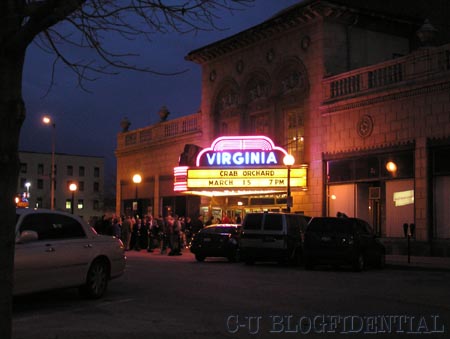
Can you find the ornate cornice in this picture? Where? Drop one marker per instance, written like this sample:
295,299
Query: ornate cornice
292,17
384,148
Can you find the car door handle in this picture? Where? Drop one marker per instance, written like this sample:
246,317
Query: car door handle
88,246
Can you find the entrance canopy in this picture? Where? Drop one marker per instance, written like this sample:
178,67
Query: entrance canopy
240,165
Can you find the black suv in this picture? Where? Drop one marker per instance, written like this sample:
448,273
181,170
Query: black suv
272,237
335,241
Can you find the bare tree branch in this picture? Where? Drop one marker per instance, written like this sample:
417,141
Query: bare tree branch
91,24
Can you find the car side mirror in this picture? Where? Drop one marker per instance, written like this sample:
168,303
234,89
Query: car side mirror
27,236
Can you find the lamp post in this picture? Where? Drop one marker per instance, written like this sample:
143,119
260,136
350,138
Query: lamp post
72,187
27,185
48,121
288,160
137,179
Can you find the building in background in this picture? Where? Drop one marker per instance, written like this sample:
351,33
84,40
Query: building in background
357,91
152,152
87,172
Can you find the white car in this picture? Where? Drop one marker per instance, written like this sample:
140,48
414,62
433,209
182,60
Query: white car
58,250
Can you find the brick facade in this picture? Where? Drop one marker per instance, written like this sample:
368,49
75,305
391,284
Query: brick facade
358,89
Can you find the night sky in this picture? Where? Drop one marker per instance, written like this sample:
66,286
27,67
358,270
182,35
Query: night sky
88,123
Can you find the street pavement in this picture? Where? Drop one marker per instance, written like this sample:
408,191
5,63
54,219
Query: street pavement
175,297
418,262
392,260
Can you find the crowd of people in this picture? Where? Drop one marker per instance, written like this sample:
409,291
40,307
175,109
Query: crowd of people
167,235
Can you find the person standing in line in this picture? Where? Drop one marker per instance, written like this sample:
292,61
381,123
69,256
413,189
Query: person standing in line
165,234
196,225
152,225
116,231
136,235
210,221
182,232
225,218
238,219
126,232
188,231
175,228
143,239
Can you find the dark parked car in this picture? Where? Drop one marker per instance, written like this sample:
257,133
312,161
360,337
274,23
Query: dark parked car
337,241
272,236
218,240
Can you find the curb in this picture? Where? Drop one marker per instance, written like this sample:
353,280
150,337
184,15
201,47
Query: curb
416,267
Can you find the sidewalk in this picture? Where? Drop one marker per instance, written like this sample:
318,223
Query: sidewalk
430,263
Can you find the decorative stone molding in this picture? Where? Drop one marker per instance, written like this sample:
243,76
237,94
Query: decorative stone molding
240,66
212,75
305,42
365,126
270,55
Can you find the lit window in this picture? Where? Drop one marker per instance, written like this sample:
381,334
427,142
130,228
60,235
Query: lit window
68,204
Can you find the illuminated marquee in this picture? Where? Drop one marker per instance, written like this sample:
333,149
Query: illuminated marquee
241,151
240,163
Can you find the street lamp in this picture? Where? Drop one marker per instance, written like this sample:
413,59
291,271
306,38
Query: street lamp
72,187
391,167
48,121
137,179
288,160
27,185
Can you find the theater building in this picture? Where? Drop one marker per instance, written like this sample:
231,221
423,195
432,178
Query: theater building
357,93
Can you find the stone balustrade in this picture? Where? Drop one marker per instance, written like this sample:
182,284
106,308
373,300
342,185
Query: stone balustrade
160,131
427,62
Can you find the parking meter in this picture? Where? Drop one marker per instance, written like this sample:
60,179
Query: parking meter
405,229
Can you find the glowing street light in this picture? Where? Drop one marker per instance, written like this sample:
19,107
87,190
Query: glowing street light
391,167
288,161
72,187
48,121
27,185
137,179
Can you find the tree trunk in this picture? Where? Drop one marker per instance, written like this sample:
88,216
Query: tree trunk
12,114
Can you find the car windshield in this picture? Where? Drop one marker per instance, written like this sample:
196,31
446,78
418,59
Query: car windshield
330,225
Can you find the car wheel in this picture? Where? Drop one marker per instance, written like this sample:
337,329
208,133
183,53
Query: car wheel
199,257
359,263
96,280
